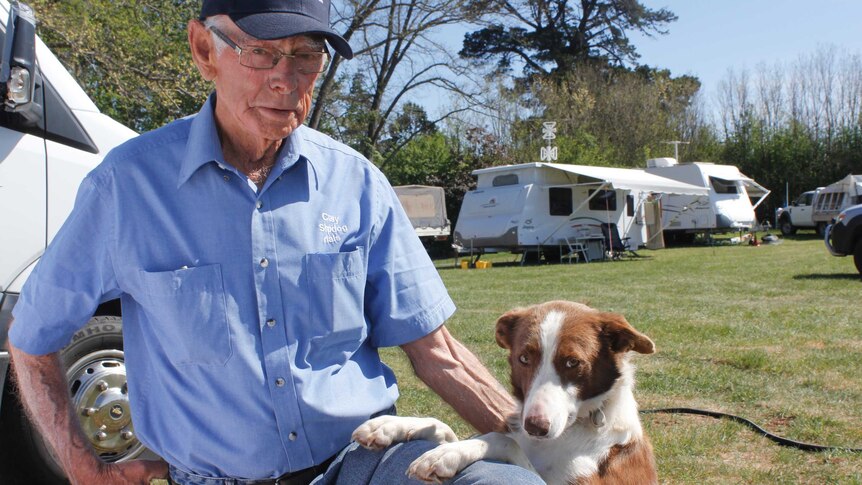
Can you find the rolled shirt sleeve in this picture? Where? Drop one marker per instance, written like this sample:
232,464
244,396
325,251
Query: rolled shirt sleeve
73,276
406,298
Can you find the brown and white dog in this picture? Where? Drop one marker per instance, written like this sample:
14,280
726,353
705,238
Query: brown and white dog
578,421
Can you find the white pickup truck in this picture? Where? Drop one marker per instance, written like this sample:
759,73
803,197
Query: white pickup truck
798,215
51,136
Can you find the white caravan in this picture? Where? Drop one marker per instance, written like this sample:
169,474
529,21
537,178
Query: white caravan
728,207
542,207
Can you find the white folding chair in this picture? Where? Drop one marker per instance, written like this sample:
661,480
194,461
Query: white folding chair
576,249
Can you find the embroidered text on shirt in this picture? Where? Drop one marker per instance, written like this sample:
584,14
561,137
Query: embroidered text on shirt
332,228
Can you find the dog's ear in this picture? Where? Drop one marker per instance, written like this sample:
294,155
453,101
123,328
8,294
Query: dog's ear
623,337
506,326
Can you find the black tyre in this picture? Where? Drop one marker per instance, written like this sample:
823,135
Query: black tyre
821,229
786,227
96,372
857,256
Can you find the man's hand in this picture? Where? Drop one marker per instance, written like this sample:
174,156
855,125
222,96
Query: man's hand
44,393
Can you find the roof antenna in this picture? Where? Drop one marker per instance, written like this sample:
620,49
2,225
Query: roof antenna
676,145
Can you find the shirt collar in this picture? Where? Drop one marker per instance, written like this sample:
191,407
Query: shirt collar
204,146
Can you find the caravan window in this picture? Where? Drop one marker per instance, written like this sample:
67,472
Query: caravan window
508,179
560,201
605,200
722,186
630,205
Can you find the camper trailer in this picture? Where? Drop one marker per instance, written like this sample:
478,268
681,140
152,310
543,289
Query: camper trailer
834,198
426,207
728,207
542,208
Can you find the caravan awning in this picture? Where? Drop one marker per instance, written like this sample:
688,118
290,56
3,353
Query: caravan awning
630,179
732,174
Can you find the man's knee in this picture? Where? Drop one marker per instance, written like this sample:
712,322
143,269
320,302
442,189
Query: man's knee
357,465
495,473
389,467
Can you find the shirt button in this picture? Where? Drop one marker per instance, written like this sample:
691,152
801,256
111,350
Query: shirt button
226,178
292,436
279,382
259,204
264,263
270,322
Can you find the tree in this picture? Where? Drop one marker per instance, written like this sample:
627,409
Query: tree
396,57
798,125
132,58
610,115
351,15
557,35
411,121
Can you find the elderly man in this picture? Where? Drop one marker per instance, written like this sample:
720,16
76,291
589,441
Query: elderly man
260,265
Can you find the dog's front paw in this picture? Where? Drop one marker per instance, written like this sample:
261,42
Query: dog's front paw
443,462
380,432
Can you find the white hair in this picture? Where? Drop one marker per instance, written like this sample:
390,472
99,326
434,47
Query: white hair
219,22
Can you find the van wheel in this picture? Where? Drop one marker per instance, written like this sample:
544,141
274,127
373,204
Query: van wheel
821,229
786,227
857,256
96,372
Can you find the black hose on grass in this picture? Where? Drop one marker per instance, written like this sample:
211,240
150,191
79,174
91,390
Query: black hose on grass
778,439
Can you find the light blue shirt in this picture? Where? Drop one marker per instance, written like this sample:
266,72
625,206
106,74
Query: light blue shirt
251,319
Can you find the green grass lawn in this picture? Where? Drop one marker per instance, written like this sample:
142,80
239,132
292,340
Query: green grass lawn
772,333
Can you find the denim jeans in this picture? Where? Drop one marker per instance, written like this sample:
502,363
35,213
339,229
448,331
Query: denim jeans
356,465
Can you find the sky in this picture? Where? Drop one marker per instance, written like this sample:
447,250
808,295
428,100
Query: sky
711,37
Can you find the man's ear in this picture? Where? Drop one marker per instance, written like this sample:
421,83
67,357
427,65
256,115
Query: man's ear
203,49
622,336
506,326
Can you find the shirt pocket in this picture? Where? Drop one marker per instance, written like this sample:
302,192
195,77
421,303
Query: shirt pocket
187,309
336,292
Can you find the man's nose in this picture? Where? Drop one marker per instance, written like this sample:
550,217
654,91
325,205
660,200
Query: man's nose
284,77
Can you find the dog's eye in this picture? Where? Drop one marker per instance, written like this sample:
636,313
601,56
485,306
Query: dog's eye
572,363
524,359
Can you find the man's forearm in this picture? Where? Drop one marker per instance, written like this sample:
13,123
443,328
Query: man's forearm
460,378
44,393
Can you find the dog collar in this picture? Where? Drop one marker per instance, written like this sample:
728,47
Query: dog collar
597,417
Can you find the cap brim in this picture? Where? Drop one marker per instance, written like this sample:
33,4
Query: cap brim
278,25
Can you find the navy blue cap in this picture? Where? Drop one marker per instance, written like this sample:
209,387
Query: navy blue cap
277,19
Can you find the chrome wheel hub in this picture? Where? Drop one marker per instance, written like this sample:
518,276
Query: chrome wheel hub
100,396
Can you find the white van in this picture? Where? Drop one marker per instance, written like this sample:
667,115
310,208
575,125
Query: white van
51,136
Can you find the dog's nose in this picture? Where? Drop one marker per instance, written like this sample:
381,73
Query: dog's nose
537,426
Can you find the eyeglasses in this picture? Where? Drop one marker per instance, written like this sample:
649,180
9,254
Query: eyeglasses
306,62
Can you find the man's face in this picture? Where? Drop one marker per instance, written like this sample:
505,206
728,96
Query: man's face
266,104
